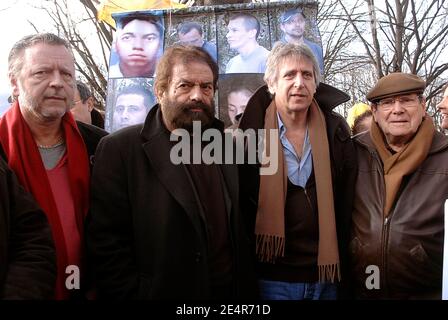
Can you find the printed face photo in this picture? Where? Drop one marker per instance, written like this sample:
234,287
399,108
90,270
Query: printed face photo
130,109
129,101
243,42
198,31
191,38
237,35
294,26
138,45
234,93
236,103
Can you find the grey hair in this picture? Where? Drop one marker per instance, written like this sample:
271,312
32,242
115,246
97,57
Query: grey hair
282,51
15,58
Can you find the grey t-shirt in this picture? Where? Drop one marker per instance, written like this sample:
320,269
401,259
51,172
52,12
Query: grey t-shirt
51,156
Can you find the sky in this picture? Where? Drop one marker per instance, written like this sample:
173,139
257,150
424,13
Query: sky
15,18
14,25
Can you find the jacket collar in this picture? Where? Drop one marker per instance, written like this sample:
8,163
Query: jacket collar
439,142
326,96
175,178
153,126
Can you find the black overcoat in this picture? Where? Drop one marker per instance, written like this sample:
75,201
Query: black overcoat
146,233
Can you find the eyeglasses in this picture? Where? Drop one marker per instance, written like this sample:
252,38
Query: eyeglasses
405,102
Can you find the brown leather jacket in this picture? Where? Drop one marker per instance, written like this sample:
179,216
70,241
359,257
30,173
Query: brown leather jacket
407,246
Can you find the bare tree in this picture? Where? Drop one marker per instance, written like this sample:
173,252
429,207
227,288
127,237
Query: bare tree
407,35
344,67
214,2
364,41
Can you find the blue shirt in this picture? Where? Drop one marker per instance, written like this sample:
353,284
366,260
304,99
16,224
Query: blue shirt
299,169
211,49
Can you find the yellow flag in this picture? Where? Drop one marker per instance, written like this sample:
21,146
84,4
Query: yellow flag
107,7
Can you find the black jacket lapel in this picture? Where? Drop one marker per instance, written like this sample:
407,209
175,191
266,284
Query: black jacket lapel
230,185
174,178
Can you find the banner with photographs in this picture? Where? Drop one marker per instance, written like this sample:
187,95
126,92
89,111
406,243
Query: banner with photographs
238,37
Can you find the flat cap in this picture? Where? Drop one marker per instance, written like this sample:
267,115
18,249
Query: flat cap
395,84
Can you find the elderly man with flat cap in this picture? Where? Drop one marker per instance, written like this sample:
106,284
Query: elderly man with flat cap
398,226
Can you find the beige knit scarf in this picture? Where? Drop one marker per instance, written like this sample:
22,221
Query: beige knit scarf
270,221
402,163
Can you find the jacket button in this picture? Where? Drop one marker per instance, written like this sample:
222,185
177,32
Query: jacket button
198,256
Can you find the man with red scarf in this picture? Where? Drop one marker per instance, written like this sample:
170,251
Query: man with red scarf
47,149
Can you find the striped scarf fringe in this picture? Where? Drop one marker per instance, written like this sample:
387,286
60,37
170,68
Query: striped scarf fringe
327,272
269,247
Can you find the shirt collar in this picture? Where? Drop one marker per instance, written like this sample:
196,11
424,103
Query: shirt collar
281,126
282,129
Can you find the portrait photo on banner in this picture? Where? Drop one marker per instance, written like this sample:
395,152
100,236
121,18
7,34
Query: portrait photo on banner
243,41
137,45
128,102
235,90
296,24
197,30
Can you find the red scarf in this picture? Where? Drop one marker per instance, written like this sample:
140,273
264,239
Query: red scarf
24,158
